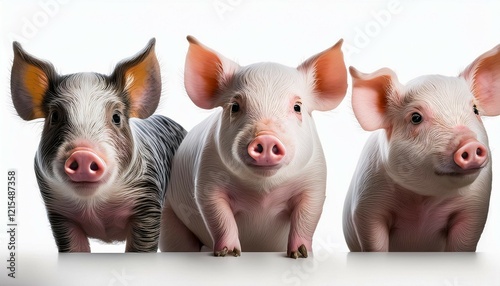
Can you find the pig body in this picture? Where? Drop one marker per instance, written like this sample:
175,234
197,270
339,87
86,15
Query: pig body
423,181
102,173
261,207
252,176
382,215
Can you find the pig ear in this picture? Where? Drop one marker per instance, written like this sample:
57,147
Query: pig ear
484,76
29,82
369,96
205,73
140,78
330,77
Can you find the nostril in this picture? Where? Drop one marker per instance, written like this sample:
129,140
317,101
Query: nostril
259,148
465,155
276,150
479,152
74,165
94,166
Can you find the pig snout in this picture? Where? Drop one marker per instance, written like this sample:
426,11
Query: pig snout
266,150
471,155
84,166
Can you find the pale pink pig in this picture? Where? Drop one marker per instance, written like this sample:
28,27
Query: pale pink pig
251,176
424,178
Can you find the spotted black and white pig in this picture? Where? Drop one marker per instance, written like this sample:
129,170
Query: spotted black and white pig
423,181
252,176
103,161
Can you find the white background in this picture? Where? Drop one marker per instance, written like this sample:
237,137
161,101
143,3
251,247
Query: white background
411,37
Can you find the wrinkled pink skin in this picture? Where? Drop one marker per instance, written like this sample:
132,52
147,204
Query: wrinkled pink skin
425,185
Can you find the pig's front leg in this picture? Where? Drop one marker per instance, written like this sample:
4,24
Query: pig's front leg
69,236
372,231
144,227
219,217
306,210
464,231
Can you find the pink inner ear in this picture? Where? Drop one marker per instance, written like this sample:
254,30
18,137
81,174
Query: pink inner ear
202,75
487,87
484,76
330,77
369,97
369,108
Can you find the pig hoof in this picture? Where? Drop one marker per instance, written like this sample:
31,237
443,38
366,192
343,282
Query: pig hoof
221,253
302,252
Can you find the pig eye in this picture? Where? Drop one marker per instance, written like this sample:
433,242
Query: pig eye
235,107
54,117
117,119
416,118
297,108
475,109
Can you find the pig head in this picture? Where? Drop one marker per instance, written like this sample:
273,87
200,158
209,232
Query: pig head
423,181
